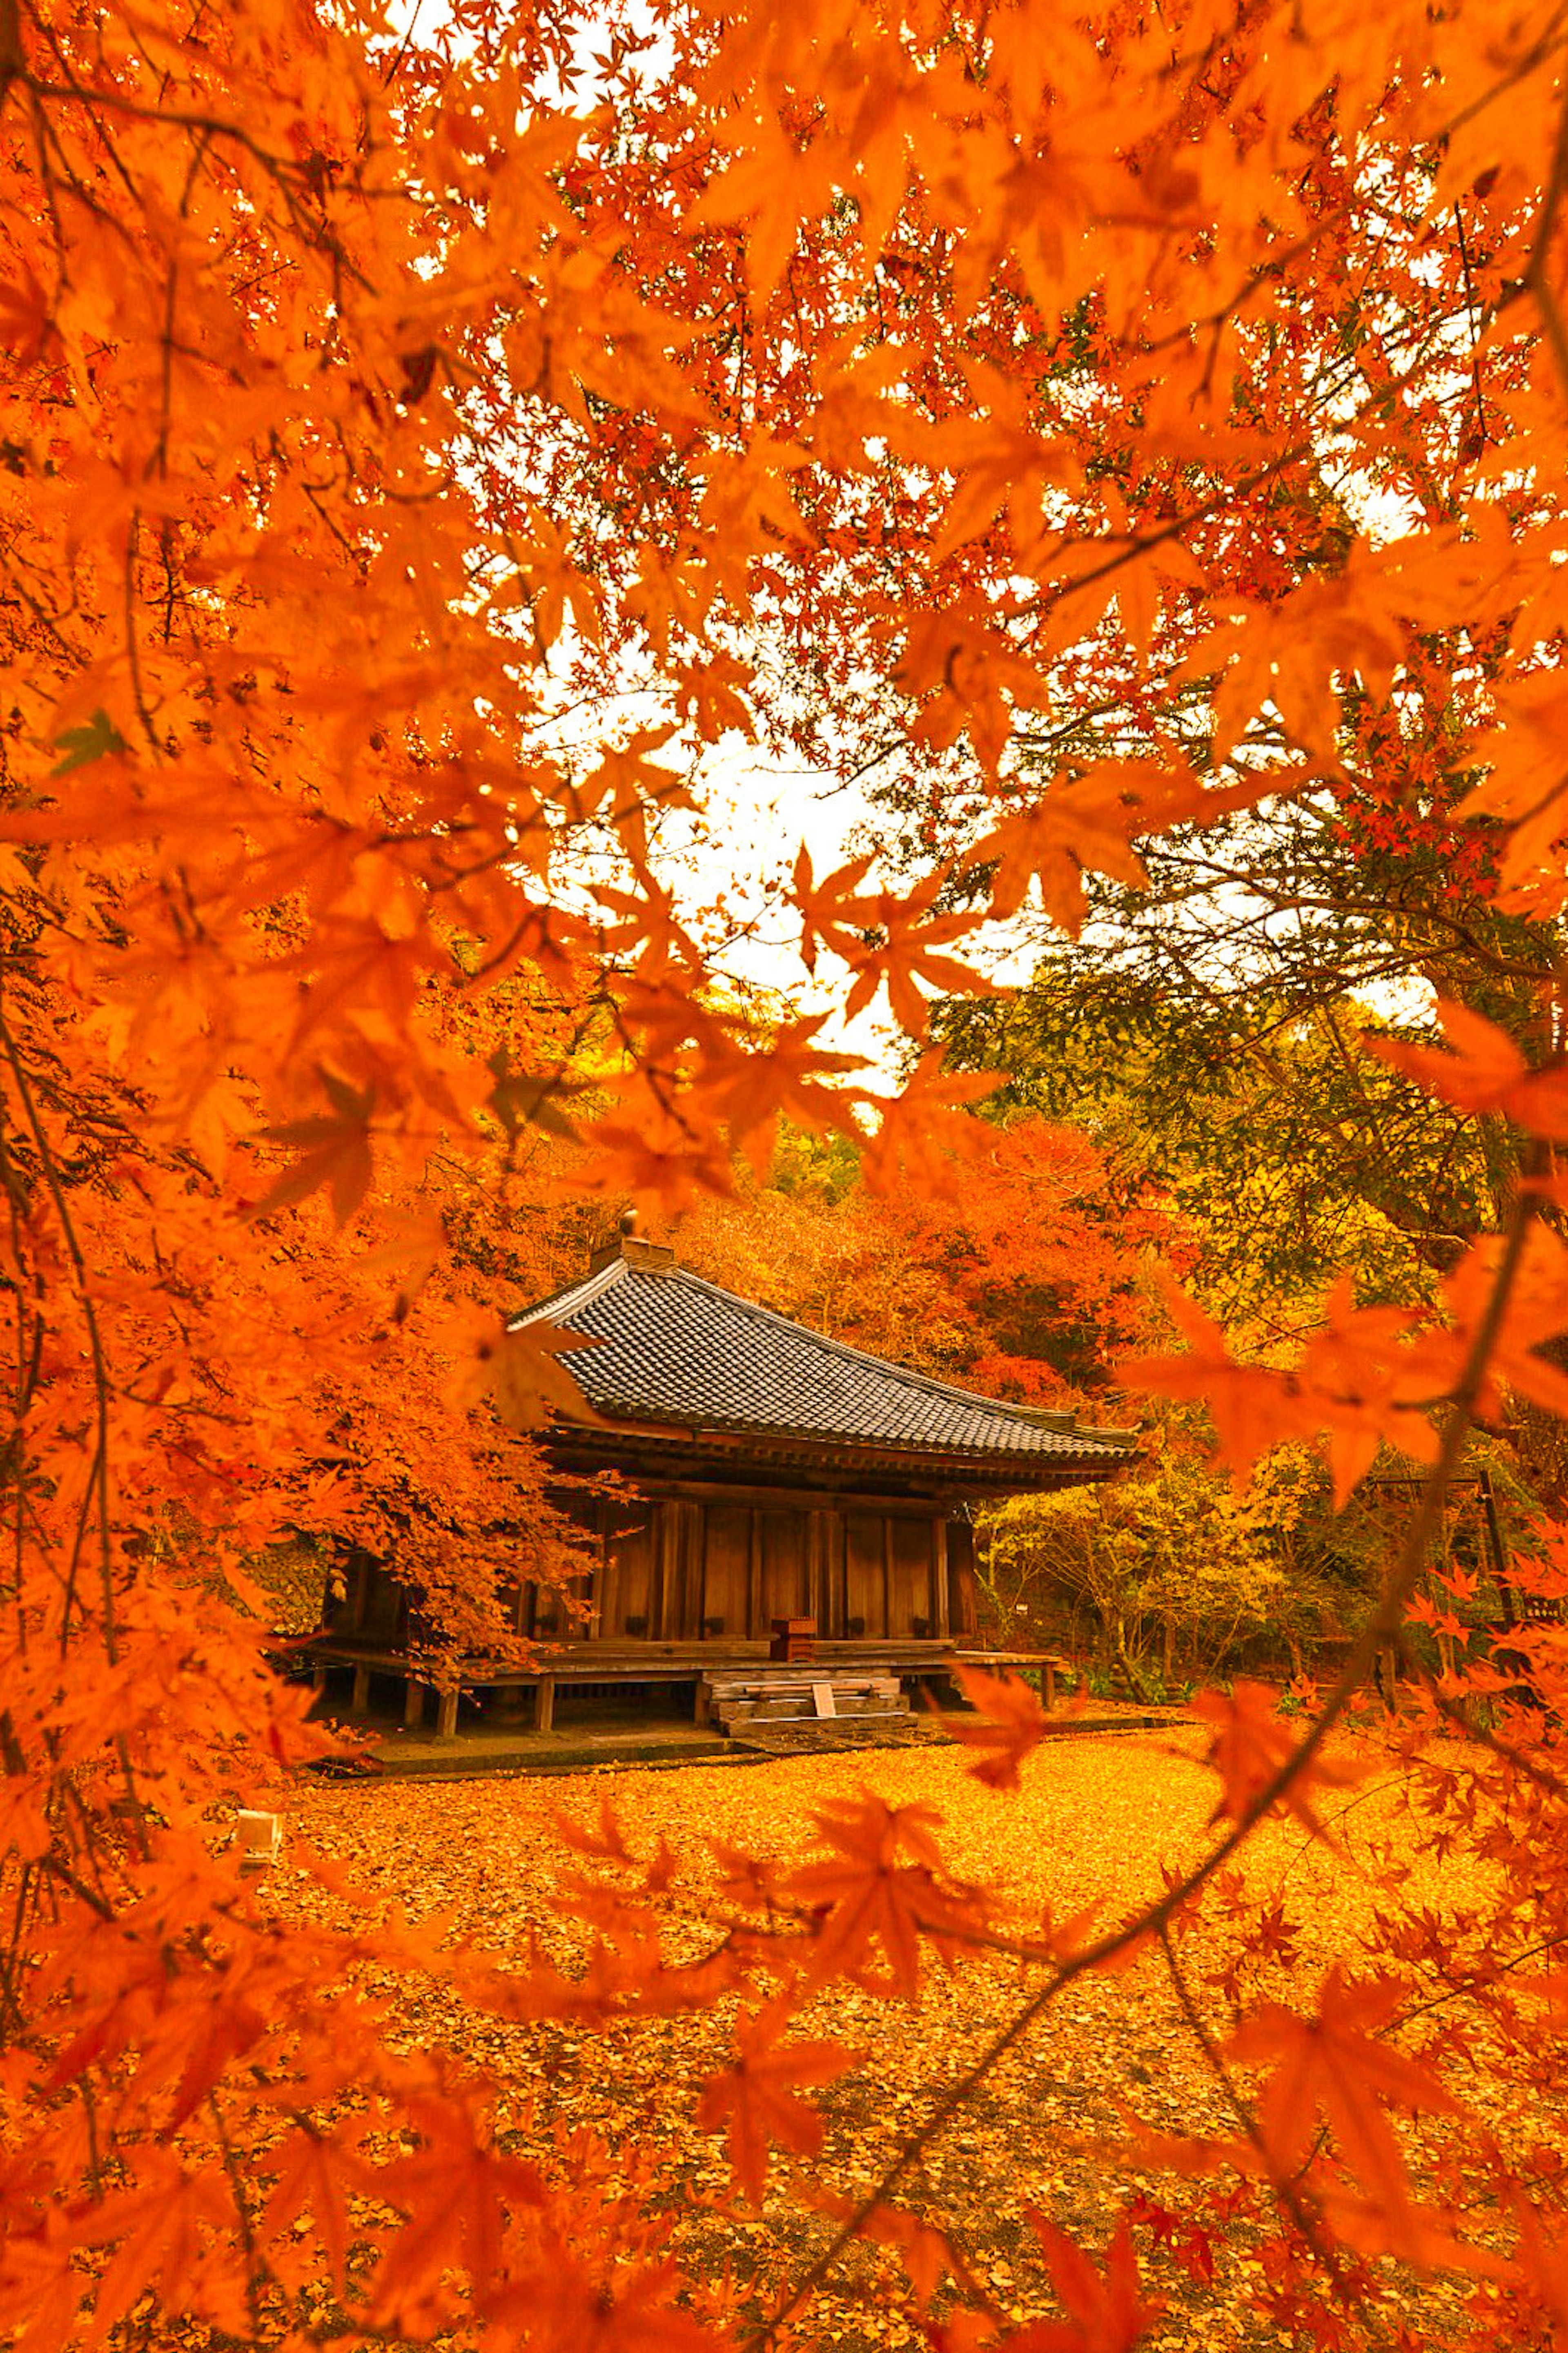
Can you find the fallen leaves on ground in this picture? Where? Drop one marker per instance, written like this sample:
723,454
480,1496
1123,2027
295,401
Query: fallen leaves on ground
1097,1826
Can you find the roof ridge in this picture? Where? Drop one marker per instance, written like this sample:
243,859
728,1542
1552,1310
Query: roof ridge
588,1287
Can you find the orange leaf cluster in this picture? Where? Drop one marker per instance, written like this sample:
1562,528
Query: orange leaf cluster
422,443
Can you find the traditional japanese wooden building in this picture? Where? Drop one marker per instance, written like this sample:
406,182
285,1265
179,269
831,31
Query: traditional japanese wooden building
776,1478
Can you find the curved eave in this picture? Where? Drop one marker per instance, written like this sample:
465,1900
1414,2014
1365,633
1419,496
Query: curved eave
981,1472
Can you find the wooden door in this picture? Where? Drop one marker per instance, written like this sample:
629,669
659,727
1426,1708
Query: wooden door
678,1570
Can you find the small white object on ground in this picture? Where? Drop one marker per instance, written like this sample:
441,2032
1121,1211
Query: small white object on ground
259,1838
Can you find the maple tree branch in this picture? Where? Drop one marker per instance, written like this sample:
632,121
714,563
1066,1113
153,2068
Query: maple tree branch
1286,2189
1140,544
98,1483
1475,328
1519,1760
1314,1838
133,647
313,232
253,2269
1537,271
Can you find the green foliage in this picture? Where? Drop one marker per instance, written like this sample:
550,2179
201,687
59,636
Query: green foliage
1174,1573
1206,1033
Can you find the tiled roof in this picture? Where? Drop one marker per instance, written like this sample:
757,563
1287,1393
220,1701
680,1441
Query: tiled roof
676,1349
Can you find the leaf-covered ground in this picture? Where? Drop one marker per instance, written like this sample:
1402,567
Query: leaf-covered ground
1097,1821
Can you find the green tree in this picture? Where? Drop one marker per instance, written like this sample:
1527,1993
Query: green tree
1209,1032
1173,1574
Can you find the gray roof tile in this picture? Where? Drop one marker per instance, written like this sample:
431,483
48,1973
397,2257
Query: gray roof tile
678,1349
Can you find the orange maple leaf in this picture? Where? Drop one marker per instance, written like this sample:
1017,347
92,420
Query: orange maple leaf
750,1093
316,2170
157,2229
928,2253
1014,1725
885,937
26,321
1251,1743
1484,1074
335,1152
922,1132
458,2194
519,1364
1367,1374
1107,2311
756,2098
1253,1408
872,1895
565,2306
1338,2063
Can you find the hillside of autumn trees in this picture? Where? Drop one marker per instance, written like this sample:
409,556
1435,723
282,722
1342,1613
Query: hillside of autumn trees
1126,444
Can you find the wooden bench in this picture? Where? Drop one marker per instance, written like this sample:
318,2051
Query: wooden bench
1049,1663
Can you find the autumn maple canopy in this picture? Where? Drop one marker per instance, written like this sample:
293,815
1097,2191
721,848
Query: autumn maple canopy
424,438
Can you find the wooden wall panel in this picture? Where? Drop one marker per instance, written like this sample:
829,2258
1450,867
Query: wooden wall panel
703,1564
911,1608
626,1598
865,1581
787,1591
376,1608
726,1563
665,1612
683,1602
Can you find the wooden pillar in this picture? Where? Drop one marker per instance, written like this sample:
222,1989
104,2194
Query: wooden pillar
318,1680
888,1575
446,1716
361,1700
835,1575
544,1703
608,1594
359,1594
939,1618
755,1626
658,1574
696,1570
413,1705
